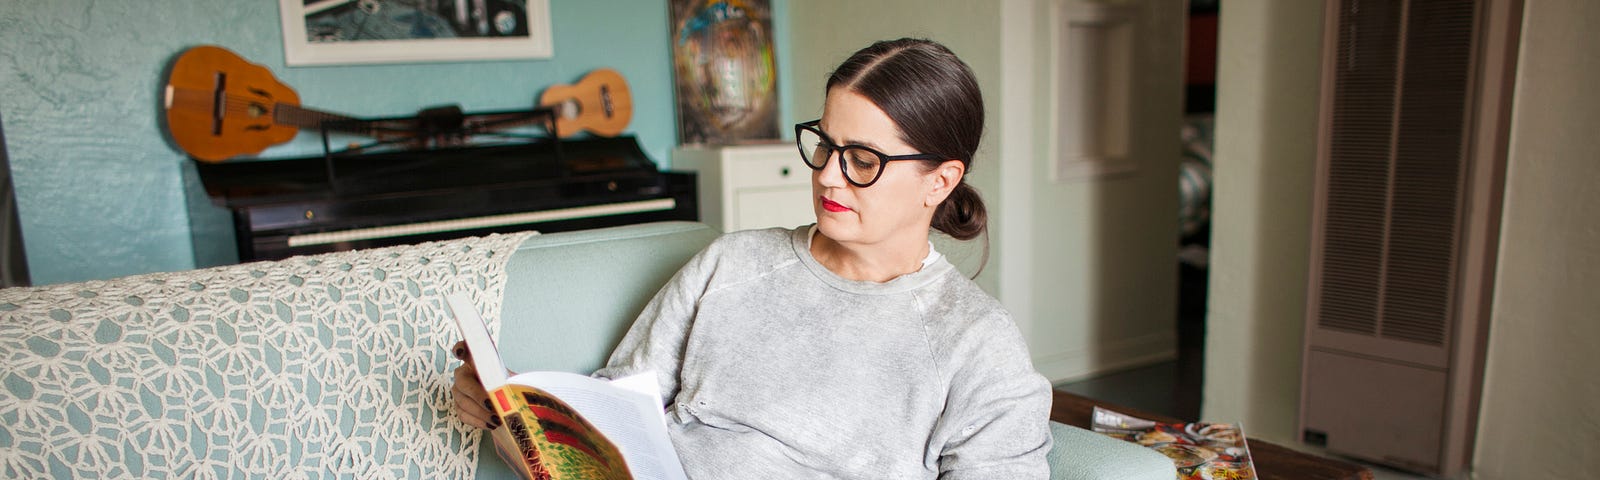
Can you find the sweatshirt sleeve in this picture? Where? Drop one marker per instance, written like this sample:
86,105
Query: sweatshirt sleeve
656,340
996,420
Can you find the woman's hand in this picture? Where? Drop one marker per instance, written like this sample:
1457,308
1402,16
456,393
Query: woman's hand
472,402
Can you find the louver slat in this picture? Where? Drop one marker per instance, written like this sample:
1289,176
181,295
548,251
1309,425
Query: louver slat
1394,174
1358,175
1423,230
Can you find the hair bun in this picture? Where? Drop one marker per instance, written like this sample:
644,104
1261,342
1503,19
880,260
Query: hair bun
962,215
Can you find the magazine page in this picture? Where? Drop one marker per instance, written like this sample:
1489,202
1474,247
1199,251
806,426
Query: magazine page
1201,451
562,425
491,371
627,411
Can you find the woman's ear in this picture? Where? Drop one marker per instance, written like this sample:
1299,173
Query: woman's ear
943,180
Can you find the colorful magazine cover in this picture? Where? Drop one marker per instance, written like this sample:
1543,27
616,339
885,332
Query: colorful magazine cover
1201,451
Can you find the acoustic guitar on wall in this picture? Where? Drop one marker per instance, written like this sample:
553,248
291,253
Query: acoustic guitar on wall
219,106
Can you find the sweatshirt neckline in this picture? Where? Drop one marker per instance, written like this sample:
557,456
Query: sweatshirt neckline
932,269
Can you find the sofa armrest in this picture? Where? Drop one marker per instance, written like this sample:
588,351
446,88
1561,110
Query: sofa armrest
1080,454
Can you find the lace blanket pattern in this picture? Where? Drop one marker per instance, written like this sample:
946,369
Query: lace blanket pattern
327,366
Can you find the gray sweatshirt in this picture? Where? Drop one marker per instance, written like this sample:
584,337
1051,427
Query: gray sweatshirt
774,368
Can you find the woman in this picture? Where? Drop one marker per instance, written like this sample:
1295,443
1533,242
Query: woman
850,348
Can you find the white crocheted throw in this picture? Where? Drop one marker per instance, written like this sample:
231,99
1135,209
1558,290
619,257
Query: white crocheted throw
328,366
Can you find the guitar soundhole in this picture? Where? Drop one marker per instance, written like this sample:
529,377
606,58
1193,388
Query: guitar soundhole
570,108
219,102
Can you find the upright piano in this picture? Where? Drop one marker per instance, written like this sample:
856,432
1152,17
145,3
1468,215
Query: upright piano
288,207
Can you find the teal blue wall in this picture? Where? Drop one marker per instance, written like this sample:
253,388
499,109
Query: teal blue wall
100,192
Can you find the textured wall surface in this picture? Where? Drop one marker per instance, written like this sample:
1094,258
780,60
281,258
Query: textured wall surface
1268,67
1539,417
1101,253
101,193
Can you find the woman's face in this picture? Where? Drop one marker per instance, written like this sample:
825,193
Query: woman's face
893,207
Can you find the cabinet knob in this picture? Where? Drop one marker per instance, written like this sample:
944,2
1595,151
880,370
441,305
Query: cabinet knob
784,171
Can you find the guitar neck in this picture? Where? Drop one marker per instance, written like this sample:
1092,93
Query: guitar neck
297,116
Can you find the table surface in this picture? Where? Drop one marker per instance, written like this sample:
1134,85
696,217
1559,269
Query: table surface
1271,461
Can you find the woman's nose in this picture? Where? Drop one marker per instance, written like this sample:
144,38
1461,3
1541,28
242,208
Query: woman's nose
832,172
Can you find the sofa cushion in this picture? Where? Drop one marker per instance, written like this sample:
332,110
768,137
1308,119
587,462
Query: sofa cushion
571,296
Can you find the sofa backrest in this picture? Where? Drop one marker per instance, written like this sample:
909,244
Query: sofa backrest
570,296
326,366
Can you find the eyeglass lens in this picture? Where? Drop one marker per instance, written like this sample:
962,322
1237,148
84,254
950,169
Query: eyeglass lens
861,165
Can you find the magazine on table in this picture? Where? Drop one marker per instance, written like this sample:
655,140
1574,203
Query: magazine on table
561,426
1201,451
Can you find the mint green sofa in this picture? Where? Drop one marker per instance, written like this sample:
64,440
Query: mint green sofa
334,366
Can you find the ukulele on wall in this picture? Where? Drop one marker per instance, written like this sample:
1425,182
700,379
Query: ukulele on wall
598,103
219,105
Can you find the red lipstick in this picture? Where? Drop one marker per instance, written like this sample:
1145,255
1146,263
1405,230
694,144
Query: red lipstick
833,206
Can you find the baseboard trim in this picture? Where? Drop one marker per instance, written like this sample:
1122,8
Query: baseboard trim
1077,364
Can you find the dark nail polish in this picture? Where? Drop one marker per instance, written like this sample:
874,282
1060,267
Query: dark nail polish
495,423
488,405
461,353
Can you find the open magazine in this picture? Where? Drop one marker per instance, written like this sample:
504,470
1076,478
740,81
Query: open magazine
560,426
1208,451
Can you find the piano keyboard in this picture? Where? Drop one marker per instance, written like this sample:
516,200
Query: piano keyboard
390,231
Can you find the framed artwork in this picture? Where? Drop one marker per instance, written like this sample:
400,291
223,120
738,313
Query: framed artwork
334,32
1092,60
724,71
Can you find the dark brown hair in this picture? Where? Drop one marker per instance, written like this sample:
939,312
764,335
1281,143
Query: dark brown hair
933,98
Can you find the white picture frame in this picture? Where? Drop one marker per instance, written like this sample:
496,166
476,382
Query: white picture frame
474,26
1092,48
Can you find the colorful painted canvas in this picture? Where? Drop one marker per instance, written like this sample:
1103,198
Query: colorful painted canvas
725,71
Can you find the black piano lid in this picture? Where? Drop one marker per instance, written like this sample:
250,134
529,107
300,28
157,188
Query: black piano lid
541,163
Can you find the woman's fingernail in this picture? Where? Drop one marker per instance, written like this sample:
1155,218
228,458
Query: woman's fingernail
488,405
496,423
461,353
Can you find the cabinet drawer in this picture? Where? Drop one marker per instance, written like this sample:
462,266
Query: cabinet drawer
772,207
768,168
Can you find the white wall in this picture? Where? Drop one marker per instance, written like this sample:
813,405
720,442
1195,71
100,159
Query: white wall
1268,71
1540,416
1096,259
1088,267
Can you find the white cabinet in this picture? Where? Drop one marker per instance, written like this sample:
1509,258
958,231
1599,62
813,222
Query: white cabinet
749,186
